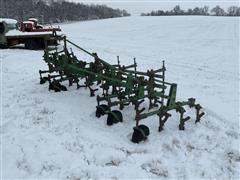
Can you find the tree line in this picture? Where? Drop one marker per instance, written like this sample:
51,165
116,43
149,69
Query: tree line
204,11
50,11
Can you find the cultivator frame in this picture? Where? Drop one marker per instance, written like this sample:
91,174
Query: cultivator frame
127,85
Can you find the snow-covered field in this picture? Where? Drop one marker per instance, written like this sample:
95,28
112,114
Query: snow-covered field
56,135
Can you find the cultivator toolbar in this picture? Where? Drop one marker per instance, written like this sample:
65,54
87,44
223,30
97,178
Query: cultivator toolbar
120,86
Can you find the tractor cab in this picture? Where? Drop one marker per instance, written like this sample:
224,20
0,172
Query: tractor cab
30,25
27,26
36,24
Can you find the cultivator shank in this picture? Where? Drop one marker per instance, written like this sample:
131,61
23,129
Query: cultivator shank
120,86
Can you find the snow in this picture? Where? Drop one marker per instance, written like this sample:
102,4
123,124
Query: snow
28,22
33,19
8,21
56,135
20,33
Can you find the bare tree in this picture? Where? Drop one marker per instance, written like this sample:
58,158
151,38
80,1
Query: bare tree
203,11
56,10
218,11
233,11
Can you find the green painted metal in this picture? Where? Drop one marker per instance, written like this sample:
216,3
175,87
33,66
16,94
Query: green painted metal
121,85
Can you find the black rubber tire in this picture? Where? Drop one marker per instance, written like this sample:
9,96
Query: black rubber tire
41,44
2,28
31,44
101,109
2,46
43,80
63,88
56,86
119,115
111,119
34,44
51,87
145,129
138,135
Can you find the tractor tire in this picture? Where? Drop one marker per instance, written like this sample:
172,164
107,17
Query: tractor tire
2,28
34,44
2,46
114,117
41,44
101,110
31,44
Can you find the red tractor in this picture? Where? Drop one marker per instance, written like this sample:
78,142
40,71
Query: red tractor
32,26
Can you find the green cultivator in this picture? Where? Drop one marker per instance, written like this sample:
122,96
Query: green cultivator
120,86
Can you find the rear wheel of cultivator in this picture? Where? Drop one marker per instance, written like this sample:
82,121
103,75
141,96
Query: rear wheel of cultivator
101,110
114,117
145,129
43,80
63,88
140,133
56,86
